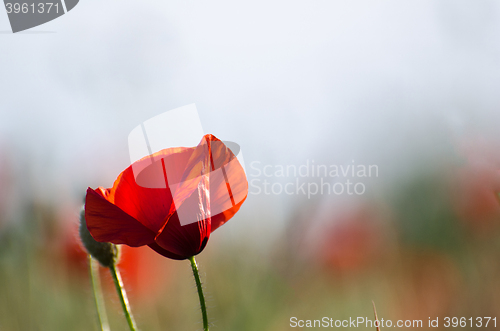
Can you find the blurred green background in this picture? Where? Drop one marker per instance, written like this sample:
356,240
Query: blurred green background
427,247
409,86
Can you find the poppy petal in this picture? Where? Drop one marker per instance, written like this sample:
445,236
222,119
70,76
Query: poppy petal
228,191
108,223
221,218
146,196
195,174
210,160
213,174
154,246
188,239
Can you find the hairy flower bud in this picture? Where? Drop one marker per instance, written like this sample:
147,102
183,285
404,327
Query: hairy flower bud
104,252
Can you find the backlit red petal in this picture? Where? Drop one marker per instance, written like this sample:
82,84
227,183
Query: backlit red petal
154,246
228,191
146,195
108,223
183,240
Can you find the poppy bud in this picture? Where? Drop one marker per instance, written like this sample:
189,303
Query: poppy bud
104,252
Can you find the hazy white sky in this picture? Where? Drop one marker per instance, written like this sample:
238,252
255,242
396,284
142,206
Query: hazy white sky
375,81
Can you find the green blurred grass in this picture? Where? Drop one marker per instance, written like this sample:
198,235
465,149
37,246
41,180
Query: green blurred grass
432,266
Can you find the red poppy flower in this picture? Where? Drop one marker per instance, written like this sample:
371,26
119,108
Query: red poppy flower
171,200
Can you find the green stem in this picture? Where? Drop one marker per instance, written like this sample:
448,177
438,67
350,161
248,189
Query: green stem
99,299
123,297
200,292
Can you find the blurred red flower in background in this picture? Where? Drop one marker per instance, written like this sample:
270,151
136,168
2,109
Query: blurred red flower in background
143,274
477,185
171,200
354,242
